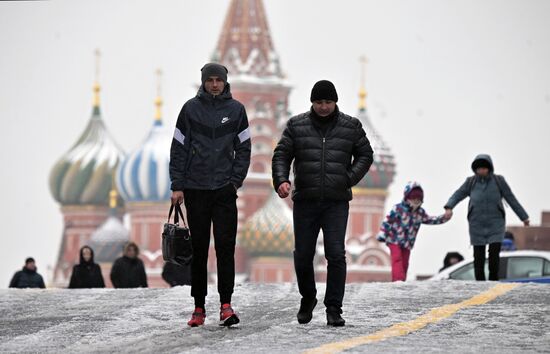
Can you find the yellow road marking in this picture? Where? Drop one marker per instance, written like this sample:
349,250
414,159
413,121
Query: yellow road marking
404,328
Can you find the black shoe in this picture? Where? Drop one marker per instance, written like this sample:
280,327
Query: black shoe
334,317
305,314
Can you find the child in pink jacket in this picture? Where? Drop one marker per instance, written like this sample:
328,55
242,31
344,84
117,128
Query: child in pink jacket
401,226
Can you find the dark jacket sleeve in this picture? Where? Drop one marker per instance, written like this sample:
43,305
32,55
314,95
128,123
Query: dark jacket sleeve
362,157
115,273
142,275
459,195
243,148
100,280
15,280
73,284
41,285
511,199
179,152
282,157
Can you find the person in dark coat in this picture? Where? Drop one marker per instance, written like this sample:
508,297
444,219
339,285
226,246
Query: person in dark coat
209,160
128,271
331,154
176,275
508,244
86,274
27,277
451,258
486,215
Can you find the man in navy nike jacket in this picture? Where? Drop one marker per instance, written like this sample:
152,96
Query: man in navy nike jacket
209,160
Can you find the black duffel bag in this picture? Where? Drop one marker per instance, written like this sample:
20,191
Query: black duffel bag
176,240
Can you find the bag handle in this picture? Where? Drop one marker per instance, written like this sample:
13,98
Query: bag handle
177,214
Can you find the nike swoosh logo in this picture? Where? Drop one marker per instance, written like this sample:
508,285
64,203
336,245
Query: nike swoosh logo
225,119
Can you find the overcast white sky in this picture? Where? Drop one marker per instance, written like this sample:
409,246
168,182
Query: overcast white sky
446,80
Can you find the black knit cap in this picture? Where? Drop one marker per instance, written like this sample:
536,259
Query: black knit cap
214,69
481,163
324,90
29,260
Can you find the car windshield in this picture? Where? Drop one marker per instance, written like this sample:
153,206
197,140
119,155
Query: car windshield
510,268
524,267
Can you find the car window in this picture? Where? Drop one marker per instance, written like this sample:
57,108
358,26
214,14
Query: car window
524,267
546,268
466,272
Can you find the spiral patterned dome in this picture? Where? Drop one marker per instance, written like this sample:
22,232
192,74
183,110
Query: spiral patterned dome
84,175
382,171
269,232
144,175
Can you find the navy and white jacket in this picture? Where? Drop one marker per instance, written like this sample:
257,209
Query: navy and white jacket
211,144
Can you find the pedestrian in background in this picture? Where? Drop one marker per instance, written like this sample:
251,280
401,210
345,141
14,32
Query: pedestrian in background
128,271
486,215
87,273
176,275
451,258
28,277
400,228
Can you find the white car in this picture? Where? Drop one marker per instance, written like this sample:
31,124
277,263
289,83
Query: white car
515,266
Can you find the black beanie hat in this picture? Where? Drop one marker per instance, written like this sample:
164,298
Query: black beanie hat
214,69
481,163
324,90
29,260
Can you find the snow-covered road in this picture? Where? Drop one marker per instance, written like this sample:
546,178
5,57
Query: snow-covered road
154,320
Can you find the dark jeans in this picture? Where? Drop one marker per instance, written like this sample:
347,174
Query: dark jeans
309,219
204,208
494,260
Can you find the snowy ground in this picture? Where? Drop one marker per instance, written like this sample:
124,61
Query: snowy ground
153,320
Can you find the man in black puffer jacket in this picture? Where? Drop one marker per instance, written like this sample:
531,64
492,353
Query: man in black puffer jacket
331,153
28,277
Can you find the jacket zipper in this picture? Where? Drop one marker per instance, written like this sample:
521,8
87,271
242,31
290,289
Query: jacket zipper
323,170
212,168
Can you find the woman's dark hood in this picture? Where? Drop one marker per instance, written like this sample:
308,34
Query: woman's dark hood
82,261
483,159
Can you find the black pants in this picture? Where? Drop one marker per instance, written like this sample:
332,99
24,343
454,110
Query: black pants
218,208
494,260
309,219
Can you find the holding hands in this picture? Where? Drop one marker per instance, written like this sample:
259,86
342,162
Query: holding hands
448,214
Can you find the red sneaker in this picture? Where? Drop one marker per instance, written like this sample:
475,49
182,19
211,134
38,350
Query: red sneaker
197,319
228,317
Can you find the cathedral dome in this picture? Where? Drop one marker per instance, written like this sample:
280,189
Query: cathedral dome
269,231
84,175
382,171
110,237
143,176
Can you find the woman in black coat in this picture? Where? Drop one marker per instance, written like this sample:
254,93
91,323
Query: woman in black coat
86,274
128,271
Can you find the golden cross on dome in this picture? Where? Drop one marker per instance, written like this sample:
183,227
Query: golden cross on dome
97,88
158,99
363,60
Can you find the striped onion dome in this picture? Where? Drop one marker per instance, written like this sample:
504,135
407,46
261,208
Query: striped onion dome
144,175
269,232
84,175
382,171
110,237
